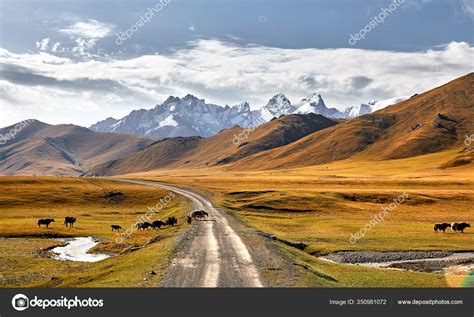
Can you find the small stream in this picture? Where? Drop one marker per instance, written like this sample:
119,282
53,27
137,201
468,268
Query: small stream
76,250
454,263
452,257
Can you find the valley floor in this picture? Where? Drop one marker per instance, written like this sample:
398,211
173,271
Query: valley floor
297,215
321,210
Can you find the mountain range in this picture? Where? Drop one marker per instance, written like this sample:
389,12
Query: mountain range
191,116
430,122
434,121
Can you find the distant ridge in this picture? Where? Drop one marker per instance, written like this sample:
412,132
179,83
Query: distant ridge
227,146
43,149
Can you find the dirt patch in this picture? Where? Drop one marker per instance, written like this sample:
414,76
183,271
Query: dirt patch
115,196
274,209
250,194
297,245
412,200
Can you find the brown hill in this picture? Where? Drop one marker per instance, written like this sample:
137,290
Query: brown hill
229,145
426,123
43,149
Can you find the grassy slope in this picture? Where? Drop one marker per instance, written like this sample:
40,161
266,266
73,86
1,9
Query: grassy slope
431,122
23,200
344,196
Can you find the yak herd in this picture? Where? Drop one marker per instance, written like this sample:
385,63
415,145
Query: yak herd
157,224
68,221
455,226
201,214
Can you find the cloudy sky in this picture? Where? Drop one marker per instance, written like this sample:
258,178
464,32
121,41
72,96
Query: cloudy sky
76,61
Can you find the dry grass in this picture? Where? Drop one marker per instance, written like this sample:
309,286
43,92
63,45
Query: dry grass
322,205
25,199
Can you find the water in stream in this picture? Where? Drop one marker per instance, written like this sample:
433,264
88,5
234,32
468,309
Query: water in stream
76,250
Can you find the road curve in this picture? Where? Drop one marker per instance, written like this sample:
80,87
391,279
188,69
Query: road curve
212,255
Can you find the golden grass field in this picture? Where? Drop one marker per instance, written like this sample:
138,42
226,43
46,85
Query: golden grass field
319,206
23,200
322,205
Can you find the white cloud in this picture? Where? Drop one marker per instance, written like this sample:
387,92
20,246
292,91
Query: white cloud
56,47
85,35
43,45
90,28
83,92
83,47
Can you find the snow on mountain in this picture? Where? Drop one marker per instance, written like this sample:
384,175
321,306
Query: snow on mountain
188,116
355,111
371,106
378,105
104,125
191,116
315,104
277,106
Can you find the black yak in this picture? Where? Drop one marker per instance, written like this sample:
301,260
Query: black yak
115,227
171,221
45,222
144,225
441,226
460,226
157,224
199,214
69,221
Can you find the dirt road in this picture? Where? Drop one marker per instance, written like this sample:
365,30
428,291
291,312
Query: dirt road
212,255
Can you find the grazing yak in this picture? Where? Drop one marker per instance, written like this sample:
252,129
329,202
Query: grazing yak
171,221
199,214
45,222
441,227
144,225
115,227
69,221
157,224
460,226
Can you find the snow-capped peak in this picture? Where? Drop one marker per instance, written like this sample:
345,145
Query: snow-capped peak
313,98
243,106
191,116
278,105
371,106
381,104
360,110
314,103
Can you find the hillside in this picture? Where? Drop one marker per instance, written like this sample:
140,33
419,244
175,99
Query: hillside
427,123
223,148
43,149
